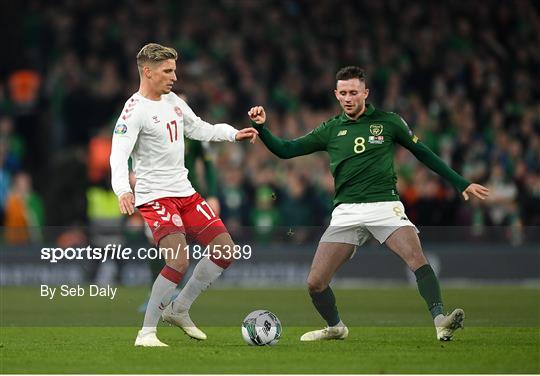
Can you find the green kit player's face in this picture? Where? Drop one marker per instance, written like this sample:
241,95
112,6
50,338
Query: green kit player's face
352,95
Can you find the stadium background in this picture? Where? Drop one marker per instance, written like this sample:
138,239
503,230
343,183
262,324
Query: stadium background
462,74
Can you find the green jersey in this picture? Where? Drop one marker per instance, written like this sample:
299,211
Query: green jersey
362,154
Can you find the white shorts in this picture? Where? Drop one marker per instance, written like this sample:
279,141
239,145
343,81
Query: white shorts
356,223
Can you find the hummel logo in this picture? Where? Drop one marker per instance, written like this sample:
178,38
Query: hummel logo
342,132
155,118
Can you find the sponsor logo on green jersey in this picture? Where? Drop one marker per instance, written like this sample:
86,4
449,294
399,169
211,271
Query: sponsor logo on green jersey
376,139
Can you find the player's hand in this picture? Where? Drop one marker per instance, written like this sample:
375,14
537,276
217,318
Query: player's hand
214,204
257,114
126,202
247,134
476,190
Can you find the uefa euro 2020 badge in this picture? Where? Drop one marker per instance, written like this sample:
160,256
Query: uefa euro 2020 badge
120,129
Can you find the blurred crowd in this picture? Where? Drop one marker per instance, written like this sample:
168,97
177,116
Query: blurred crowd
464,75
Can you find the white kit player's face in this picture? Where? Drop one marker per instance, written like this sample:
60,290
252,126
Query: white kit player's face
351,95
163,76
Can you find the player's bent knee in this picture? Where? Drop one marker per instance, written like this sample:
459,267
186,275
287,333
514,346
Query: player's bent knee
222,249
316,285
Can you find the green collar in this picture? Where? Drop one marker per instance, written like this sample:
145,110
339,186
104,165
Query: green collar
369,110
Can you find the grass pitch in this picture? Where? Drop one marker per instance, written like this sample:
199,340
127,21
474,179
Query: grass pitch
390,332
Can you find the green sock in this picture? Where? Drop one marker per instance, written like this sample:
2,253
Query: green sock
428,286
325,302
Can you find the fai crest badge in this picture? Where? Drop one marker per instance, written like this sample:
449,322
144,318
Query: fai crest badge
376,129
178,111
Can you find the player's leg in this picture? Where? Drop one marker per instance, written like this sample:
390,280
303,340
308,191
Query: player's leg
176,264
155,265
171,241
336,246
405,243
207,229
207,270
328,259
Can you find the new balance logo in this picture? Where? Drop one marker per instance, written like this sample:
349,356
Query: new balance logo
342,132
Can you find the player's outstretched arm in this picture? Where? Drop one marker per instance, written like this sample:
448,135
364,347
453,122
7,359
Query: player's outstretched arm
198,129
432,160
435,163
284,149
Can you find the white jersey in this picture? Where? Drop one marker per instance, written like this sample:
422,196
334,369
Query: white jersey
152,133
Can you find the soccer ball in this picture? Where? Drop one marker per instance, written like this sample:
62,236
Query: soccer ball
261,328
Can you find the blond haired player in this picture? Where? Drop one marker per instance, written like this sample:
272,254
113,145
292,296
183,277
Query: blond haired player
151,130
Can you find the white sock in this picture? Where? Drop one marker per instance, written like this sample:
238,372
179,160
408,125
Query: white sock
204,274
339,324
160,298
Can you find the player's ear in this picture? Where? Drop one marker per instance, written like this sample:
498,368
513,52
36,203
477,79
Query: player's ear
366,93
147,71
336,94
